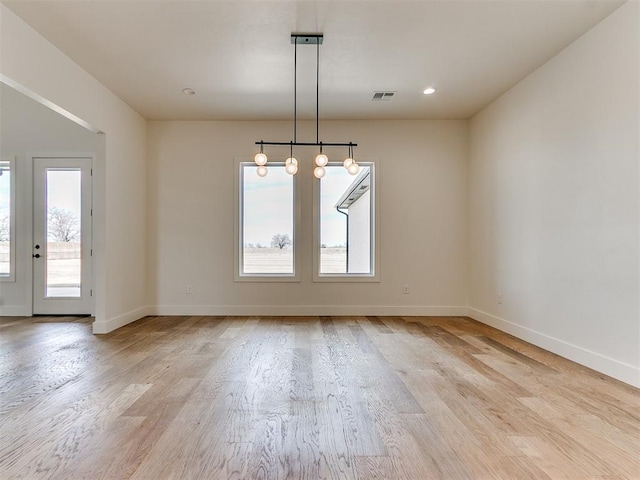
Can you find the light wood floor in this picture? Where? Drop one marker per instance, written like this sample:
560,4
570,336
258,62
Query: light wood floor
308,398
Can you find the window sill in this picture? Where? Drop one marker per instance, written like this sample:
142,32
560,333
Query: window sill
352,278
264,278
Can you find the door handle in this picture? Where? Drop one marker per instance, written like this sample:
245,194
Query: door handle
37,255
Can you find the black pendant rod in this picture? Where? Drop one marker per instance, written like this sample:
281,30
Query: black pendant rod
308,144
317,92
295,91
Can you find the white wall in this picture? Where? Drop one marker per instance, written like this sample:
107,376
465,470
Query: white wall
422,181
33,65
27,127
554,203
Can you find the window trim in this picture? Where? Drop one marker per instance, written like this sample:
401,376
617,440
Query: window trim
239,164
11,277
374,277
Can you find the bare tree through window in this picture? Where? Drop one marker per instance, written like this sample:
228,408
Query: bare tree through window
281,240
63,225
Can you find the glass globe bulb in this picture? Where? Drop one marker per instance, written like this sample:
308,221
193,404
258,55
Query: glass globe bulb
291,168
262,171
321,159
260,159
353,168
319,172
348,162
291,161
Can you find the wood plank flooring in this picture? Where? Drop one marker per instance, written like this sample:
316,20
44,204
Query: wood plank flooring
304,398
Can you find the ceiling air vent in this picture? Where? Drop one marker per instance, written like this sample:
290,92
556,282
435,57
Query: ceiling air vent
382,96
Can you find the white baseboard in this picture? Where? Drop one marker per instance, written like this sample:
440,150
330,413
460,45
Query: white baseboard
614,368
120,321
308,310
14,311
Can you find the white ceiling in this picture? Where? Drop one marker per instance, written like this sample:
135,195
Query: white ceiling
237,54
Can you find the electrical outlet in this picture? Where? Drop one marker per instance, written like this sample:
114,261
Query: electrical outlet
500,298
188,290
405,289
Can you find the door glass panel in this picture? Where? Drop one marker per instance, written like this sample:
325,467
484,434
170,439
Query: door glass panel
63,268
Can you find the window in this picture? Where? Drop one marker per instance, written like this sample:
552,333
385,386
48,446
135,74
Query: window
7,220
267,226
345,230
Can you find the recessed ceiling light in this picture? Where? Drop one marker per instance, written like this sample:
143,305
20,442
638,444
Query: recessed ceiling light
188,91
429,91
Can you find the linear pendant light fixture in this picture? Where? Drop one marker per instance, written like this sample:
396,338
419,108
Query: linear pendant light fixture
291,164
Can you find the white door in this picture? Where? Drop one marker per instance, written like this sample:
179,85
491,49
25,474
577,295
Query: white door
62,236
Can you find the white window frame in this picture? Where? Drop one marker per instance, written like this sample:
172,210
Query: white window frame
372,277
11,277
240,163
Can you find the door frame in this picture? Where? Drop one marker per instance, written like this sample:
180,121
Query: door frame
29,210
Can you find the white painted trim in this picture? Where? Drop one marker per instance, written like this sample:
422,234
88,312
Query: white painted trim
98,236
614,368
14,311
309,310
120,321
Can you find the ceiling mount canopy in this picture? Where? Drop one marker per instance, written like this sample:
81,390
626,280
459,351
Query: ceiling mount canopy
307,38
321,160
